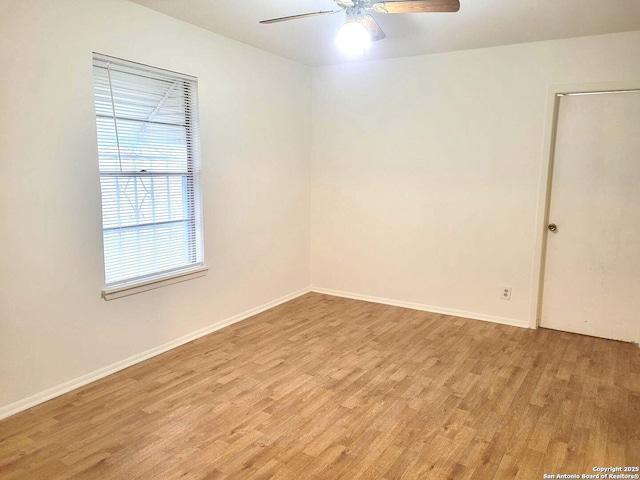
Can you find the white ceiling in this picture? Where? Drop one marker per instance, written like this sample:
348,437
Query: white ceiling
479,23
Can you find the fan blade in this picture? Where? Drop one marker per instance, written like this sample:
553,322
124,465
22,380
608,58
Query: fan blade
303,15
372,27
416,6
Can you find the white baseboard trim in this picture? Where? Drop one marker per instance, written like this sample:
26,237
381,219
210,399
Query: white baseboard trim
425,308
63,388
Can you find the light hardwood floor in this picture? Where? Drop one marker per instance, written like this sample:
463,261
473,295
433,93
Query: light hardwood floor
324,387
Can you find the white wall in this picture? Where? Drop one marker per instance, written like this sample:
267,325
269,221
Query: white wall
255,127
426,171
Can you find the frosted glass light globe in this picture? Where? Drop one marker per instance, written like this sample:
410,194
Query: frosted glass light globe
353,38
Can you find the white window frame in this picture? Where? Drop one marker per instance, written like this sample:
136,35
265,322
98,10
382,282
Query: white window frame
196,266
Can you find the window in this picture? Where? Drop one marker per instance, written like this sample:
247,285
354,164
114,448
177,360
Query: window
148,152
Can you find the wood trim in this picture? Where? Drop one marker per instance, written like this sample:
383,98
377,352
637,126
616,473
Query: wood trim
422,307
63,388
126,289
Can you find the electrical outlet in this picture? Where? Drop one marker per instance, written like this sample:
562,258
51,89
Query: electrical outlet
506,293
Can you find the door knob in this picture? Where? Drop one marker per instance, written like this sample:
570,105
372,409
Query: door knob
553,227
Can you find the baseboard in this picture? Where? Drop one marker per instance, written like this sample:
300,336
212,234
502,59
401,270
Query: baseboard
425,308
58,390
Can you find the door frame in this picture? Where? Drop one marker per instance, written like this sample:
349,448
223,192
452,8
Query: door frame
555,93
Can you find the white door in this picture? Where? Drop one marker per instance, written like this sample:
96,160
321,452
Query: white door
592,269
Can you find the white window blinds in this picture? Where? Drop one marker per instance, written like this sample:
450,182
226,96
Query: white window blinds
148,150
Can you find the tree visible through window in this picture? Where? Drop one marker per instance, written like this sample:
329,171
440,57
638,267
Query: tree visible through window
149,170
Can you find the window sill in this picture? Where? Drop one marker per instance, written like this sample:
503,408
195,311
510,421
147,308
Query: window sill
126,289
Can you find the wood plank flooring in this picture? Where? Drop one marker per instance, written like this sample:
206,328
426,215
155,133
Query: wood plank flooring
325,387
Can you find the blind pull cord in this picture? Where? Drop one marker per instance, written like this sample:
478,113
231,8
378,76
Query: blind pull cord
115,120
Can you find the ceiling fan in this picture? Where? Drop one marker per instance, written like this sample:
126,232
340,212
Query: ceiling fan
359,28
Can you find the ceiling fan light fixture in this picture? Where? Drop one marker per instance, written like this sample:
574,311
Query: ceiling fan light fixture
353,38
